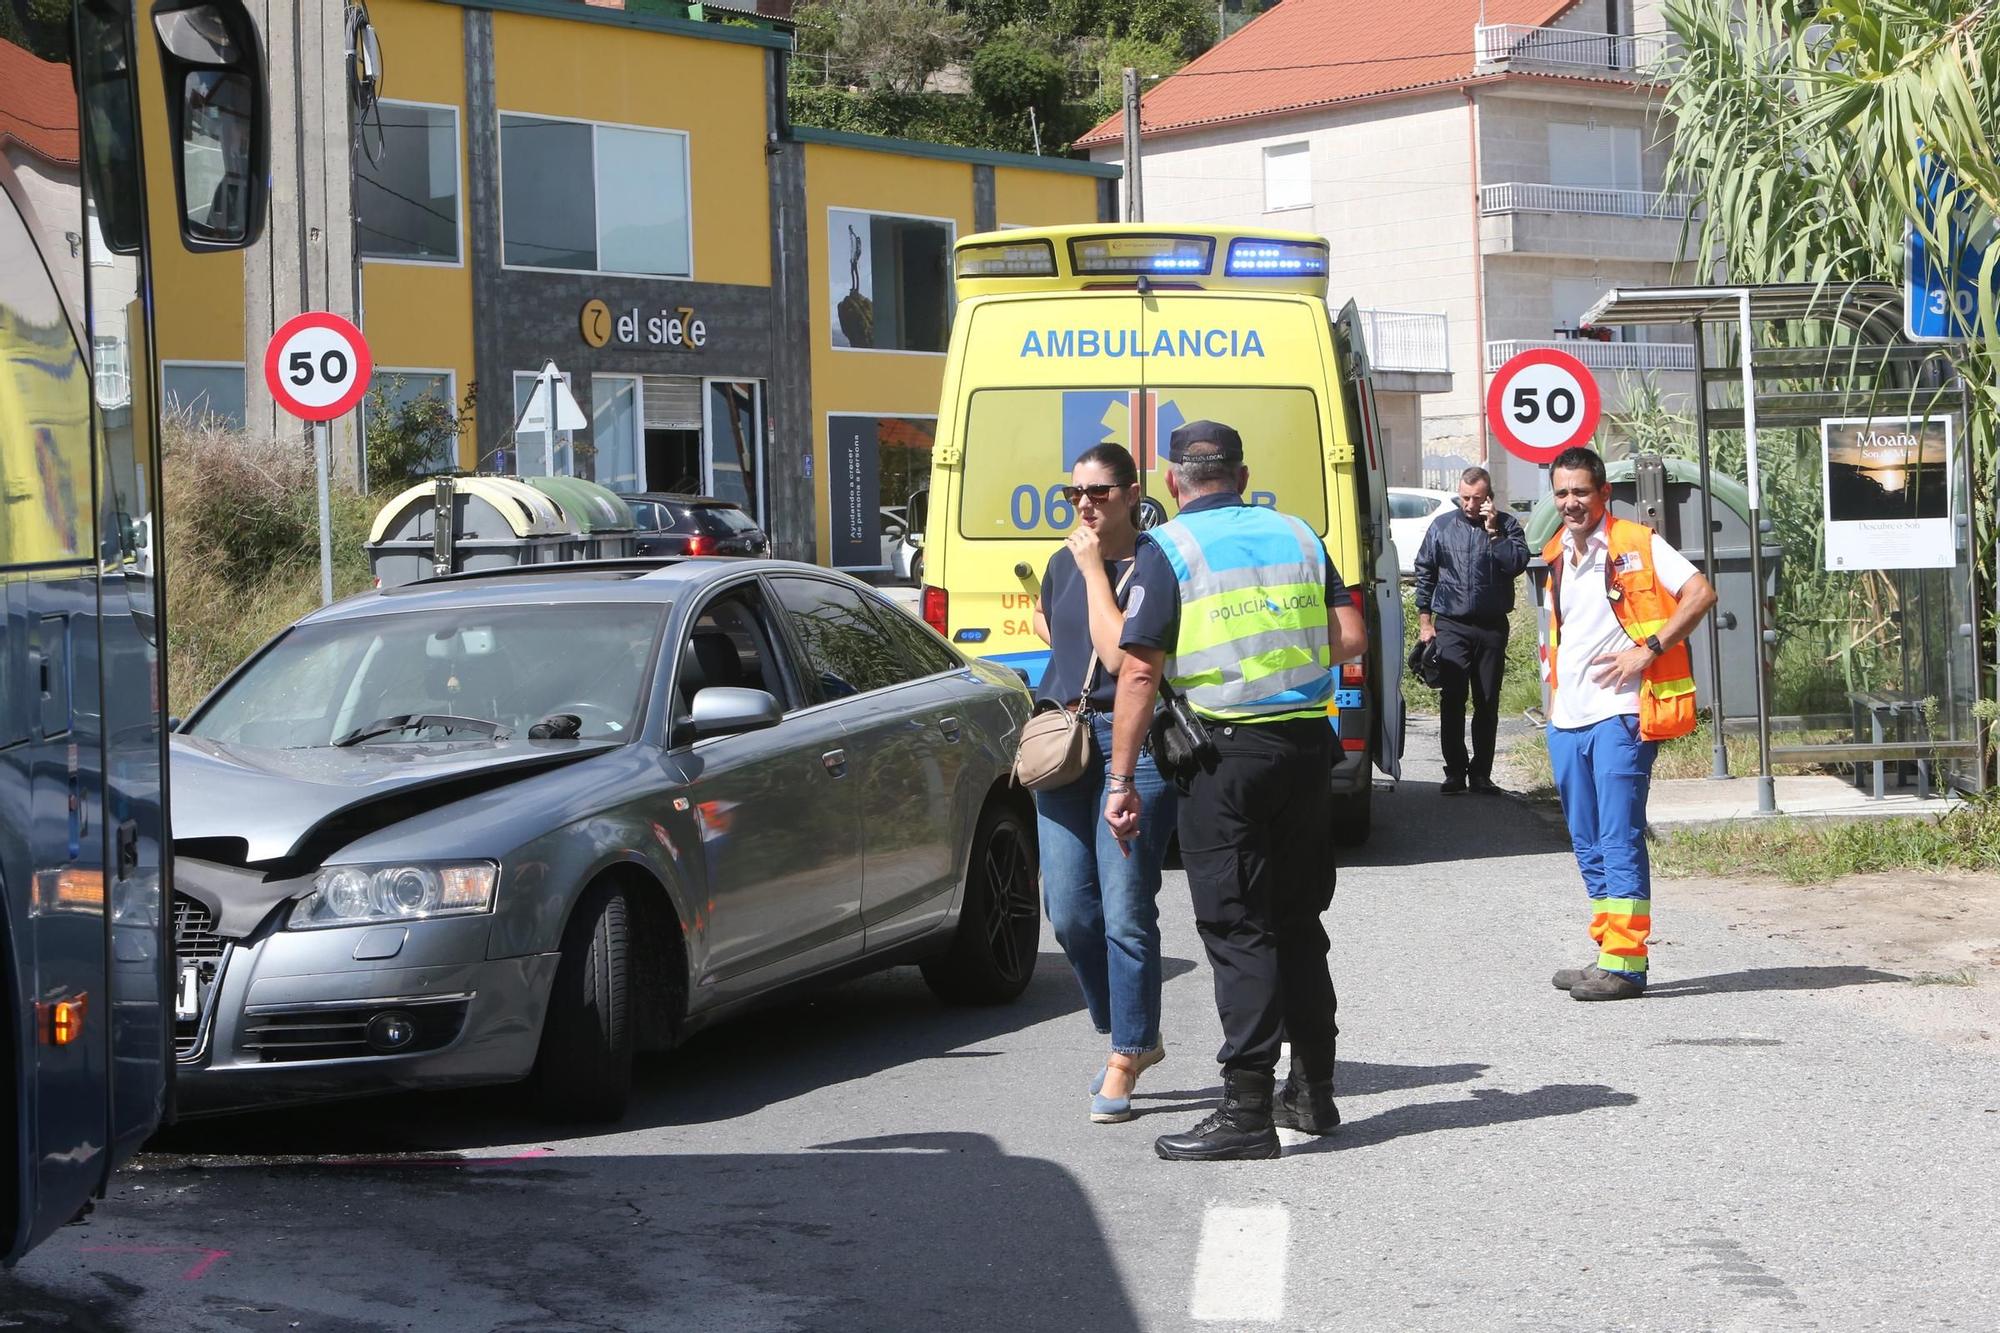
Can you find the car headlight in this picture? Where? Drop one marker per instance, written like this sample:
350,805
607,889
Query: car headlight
361,895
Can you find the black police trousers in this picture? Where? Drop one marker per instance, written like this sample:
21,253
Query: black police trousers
1254,841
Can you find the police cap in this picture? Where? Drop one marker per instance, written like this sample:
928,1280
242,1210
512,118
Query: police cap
1205,440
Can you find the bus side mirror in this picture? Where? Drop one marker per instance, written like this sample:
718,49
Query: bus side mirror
218,116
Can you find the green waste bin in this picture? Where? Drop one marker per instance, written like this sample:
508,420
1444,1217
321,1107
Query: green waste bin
604,522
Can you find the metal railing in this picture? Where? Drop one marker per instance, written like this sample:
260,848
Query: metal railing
1600,355
1521,44
1407,340
1528,197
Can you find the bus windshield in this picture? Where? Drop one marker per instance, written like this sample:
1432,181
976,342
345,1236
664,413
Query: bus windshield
1021,444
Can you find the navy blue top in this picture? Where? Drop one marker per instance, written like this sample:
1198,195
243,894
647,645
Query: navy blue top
1467,573
1153,603
1066,606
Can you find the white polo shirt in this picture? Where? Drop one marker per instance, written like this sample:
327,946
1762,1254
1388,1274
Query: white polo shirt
1590,628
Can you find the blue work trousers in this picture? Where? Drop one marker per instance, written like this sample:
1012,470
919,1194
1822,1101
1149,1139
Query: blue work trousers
1103,904
1603,773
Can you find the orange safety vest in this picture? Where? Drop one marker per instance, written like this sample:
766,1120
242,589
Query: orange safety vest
1643,607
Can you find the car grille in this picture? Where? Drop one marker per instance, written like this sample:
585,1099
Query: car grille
276,1034
196,941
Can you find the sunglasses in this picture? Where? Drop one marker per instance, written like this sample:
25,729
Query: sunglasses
1098,494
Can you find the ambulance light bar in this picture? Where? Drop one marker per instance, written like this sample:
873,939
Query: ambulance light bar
1276,259
1008,259
1142,254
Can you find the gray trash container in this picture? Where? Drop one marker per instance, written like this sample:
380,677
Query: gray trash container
604,521
1674,498
496,523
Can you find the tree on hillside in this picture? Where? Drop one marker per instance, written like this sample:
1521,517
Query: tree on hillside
887,44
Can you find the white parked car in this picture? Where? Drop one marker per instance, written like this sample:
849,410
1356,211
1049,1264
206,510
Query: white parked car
1411,513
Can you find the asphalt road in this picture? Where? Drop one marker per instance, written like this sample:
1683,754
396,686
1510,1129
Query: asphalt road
1739,1150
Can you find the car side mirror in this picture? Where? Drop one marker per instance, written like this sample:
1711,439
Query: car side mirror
724,710
218,116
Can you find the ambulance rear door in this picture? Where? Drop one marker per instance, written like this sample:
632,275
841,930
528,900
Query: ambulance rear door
1385,654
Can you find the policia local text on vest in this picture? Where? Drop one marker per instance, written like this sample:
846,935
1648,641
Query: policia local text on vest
1243,612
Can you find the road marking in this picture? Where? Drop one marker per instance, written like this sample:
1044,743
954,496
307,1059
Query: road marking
1239,1268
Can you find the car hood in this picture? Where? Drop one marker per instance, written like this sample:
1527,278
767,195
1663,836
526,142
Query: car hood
246,805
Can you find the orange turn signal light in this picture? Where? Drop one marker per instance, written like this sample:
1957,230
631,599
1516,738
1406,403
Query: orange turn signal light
62,1020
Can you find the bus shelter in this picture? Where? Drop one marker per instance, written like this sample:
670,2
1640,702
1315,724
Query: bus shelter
1849,439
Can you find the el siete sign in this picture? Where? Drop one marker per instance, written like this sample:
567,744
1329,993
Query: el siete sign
678,327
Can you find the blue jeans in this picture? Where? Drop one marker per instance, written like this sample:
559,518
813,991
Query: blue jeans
1603,773
1104,905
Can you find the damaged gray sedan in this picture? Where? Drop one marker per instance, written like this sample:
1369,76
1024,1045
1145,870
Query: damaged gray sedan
525,825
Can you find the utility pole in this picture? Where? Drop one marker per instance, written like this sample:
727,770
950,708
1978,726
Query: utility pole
1135,195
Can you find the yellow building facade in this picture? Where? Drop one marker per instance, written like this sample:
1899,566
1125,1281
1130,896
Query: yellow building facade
736,306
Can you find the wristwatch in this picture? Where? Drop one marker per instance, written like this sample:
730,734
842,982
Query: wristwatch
1653,642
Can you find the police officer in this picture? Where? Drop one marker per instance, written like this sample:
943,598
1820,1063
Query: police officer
1241,610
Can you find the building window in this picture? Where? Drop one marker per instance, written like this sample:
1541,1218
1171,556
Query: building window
594,198
615,431
415,414
1288,177
407,185
204,389
1597,157
890,281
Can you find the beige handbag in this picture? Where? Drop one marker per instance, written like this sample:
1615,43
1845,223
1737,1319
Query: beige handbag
1055,744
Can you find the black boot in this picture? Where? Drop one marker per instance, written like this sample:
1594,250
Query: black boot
1239,1131
1306,1106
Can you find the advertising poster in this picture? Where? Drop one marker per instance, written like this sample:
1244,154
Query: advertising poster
853,447
1888,492
850,270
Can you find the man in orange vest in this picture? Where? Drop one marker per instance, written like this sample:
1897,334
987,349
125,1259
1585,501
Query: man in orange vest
1622,603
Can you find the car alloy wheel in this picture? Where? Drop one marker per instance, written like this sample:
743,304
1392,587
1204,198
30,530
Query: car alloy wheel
992,954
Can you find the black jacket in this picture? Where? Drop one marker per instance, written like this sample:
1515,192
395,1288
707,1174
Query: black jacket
1464,573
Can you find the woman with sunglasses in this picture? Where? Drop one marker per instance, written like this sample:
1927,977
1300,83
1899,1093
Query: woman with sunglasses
1101,901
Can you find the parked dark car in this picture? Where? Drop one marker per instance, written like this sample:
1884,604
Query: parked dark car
523,824
694,525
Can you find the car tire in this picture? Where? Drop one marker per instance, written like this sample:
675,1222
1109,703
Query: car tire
1353,816
917,569
993,951
584,1069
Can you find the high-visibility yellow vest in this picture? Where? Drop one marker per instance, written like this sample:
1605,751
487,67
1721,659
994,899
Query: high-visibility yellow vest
1643,607
1252,644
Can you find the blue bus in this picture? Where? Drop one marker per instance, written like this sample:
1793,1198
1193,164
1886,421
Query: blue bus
90,989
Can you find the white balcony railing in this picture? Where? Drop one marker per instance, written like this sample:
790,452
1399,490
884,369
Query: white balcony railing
1559,48
1601,355
1527,197
1407,340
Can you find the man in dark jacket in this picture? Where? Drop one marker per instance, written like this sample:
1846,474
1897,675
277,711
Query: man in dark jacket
1465,590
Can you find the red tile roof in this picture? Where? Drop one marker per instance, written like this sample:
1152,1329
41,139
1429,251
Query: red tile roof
1308,53
37,105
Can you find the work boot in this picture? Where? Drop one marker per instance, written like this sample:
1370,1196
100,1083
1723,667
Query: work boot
1569,976
1239,1131
1608,986
1306,1106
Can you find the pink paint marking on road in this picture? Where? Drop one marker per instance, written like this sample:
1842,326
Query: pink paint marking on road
209,1257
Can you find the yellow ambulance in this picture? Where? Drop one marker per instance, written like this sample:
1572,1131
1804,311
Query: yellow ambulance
1068,337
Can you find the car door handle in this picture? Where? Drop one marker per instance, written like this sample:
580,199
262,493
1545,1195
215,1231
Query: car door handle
949,726
836,762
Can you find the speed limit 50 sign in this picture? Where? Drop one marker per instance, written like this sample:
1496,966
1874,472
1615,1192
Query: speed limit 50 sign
317,366
1542,402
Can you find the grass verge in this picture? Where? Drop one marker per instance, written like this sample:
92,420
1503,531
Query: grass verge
1817,852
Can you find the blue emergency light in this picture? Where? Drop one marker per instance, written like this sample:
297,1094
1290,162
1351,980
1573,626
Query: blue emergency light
1276,259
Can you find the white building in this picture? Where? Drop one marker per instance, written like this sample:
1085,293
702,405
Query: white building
1491,167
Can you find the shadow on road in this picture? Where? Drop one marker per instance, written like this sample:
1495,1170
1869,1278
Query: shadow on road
1416,826
838,1035
1769,979
1484,1108
931,1231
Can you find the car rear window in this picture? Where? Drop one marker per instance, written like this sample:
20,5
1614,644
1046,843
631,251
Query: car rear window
721,520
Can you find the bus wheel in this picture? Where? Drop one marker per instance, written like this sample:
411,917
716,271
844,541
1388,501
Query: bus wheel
1352,816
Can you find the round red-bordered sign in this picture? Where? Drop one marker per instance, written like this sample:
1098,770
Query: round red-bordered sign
1542,402
317,366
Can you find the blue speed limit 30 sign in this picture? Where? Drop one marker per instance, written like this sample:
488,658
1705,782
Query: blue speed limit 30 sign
1541,402
317,366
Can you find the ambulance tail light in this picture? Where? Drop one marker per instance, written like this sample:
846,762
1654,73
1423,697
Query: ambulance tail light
937,609
1276,259
1019,259
1352,673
